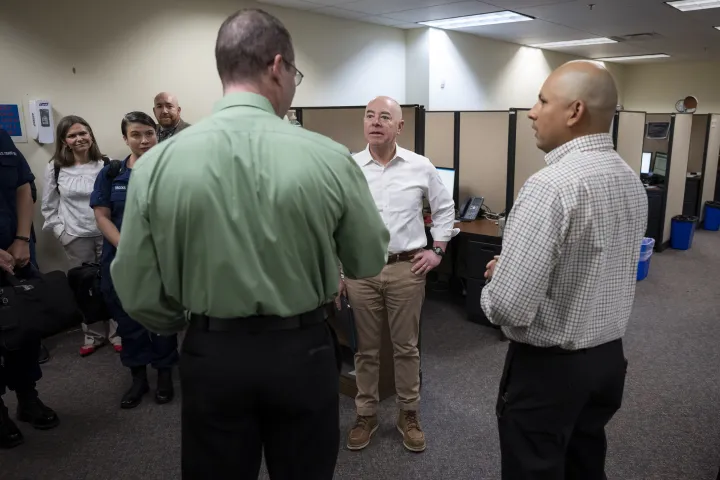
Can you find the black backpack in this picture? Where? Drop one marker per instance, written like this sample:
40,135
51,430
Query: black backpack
85,284
113,171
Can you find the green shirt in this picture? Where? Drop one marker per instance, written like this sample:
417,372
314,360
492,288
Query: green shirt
243,214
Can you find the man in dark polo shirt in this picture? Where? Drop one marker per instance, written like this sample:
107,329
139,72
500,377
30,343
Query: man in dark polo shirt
167,112
20,369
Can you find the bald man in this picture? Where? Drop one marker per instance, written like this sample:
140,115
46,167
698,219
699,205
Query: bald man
398,180
167,112
563,288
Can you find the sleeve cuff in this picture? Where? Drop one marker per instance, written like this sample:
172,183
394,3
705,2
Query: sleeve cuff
443,234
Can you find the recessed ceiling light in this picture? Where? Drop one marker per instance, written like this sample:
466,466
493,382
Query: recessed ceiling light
633,57
478,20
690,5
575,43
717,28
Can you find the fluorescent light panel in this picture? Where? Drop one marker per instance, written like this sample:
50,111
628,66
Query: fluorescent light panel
478,20
692,5
633,57
717,28
575,43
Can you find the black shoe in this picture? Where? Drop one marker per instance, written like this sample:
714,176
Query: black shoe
165,391
10,434
44,356
33,411
140,387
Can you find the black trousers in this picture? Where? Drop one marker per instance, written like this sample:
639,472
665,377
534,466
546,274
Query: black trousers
552,410
243,393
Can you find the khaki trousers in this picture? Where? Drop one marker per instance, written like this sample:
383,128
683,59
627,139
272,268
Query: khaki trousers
81,250
395,296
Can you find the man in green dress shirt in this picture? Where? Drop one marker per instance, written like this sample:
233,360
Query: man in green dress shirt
241,221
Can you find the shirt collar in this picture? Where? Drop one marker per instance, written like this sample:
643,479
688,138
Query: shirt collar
398,155
244,99
173,128
595,142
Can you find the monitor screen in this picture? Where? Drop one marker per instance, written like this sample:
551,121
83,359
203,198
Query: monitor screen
660,166
447,175
645,164
657,130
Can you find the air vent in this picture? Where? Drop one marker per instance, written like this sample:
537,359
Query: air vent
638,37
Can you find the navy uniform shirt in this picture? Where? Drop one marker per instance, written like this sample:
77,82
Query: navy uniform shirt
111,193
14,173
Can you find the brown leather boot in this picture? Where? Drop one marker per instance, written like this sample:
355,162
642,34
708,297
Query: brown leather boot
361,432
409,425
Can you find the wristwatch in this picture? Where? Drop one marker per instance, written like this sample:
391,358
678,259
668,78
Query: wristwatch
24,239
439,251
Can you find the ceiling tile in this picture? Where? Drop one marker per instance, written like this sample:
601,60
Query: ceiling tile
340,12
512,4
528,33
381,7
381,20
439,12
297,4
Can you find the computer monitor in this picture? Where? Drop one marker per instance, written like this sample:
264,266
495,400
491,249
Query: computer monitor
660,166
645,163
447,175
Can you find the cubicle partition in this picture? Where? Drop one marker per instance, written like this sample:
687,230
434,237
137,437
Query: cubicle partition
710,163
525,158
483,157
345,125
678,152
628,136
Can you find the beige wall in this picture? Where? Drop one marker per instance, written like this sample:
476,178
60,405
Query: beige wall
483,157
697,143
711,164
631,133
529,159
125,52
678,171
657,87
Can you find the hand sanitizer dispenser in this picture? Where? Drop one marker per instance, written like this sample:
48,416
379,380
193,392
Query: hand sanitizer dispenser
42,126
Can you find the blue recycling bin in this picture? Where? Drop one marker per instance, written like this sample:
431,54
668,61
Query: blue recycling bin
646,251
712,216
682,232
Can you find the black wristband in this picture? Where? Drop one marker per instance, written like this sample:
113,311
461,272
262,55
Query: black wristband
24,239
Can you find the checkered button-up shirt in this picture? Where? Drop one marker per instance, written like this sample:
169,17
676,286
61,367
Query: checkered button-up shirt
571,247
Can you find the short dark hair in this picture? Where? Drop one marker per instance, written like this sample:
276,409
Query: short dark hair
248,42
136,117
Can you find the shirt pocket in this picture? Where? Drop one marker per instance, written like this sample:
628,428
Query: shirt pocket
118,193
403,198
8,173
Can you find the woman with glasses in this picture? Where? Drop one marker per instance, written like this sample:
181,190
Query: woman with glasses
140,347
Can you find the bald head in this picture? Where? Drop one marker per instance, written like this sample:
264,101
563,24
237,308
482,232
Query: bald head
577,99
166,109
383,122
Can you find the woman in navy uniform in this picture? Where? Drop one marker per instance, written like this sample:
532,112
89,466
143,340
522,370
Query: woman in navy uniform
20,370
140,347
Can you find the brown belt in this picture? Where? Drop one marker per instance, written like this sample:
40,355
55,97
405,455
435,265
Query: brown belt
401,257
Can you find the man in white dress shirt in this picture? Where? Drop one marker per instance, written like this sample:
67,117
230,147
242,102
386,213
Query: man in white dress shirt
398,179
564,285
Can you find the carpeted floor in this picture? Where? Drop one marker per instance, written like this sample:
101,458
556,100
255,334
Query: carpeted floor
668,428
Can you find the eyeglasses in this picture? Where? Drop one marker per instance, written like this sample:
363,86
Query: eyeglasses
298,74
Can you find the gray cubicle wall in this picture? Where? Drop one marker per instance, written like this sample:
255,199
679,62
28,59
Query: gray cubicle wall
710,165
629,131
483,157
678,152
528,158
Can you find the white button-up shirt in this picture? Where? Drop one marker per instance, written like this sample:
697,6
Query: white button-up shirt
398,189
571,247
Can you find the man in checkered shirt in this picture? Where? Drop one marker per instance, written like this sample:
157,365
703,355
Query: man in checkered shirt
564,286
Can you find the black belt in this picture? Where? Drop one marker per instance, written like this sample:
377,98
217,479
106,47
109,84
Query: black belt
526,347
257,323
401,257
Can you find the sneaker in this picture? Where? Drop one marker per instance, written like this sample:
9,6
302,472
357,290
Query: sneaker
86,350
10,434
409,425
361,432
32,410
117,347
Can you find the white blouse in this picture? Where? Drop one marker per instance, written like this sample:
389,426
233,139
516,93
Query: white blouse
69,210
